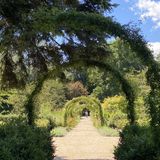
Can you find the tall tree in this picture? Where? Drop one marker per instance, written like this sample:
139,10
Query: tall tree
124,58
76,89
24,33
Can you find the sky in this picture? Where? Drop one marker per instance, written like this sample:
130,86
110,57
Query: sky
145,14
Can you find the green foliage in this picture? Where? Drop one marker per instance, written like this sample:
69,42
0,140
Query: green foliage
22,142
29,105
42,123
138,82
114,110
74,108
55,92
59,132
95,77
142,116
71,122
52,118
136,144
98,82
44,107
8,117
98,92
109,132
50,102
58,117
141,90
158,58
123,57
52,114
12,101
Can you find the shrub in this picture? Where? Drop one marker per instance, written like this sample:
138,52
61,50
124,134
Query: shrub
135,144
59,132
109,132
44,123
114,109
8,117
72,122
55,117
12,101
21,142
58,117
141,112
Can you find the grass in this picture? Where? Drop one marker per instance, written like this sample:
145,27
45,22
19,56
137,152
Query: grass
58,116
55,116
59,131
109,132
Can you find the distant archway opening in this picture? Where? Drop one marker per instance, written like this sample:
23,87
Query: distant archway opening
85,112
83,106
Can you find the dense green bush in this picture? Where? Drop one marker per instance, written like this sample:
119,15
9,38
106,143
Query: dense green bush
109,132
55,117
44,123
12,101
59,131
135,144
72,121
142,116
8,117
52,95
21,142
114,110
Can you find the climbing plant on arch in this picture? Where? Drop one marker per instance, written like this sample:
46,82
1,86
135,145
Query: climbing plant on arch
106,25
74,108
126,87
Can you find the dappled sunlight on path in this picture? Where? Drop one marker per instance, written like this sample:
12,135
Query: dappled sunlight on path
85,143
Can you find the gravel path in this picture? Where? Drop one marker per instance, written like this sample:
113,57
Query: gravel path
85,143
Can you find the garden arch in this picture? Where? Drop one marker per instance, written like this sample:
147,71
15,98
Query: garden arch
75,106
99,24
127,89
